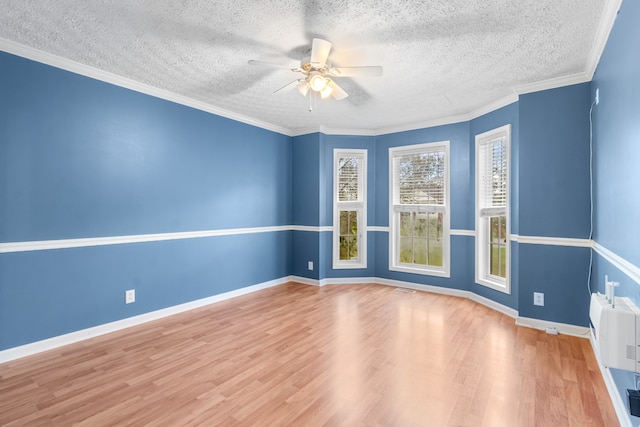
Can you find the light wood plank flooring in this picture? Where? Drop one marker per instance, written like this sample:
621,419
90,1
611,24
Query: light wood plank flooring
344,355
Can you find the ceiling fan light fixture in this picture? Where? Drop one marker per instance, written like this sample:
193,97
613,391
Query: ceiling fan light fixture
317,82
324,93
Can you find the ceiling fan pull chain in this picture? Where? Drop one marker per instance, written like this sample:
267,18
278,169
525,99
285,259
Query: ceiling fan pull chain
313,100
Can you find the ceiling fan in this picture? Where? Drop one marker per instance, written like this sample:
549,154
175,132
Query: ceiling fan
317,75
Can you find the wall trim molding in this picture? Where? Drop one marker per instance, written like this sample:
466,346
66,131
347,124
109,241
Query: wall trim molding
114,79
622,264
552,241
469,233
10,247
310,228
95,331
563,328
137,238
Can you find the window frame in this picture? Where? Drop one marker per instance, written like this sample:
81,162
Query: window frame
360,206
395,209
483,274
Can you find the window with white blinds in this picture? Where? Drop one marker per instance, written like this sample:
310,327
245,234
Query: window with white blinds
492,176
420,179
419,208
349,209
492,208
349,167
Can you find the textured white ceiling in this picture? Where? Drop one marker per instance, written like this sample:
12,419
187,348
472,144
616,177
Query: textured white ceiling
441,58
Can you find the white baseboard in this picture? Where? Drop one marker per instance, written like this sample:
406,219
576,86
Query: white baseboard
73,337
419,287
563,328
59,341
305,280
618,404
409,285
349,281
493,305
453,292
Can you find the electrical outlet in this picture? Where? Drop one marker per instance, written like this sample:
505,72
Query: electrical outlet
129,296
538,298
310,265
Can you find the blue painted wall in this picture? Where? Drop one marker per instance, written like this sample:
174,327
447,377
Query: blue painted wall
80,158
553,190
306,204
554,162
617,139
49,293
616,147
306,173
313,202
549,165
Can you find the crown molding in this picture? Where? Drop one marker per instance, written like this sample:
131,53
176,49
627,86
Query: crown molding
107,77
493,106
406,127
332,131
487,108
608,18
553,83
605,26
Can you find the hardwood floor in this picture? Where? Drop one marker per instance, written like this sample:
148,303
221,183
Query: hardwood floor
344,355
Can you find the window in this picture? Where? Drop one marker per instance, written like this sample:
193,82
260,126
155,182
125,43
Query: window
419,209
492,208
350,209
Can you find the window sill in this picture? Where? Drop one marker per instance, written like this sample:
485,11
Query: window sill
422,271
500,286
349,265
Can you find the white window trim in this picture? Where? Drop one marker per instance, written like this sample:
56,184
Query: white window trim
482,276
394,220
360,206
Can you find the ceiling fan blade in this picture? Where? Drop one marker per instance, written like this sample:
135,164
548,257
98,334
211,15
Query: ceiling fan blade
367,70
286,86
270,64
320,51
338,93
303,87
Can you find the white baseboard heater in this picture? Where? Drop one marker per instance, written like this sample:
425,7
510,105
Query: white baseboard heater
616,331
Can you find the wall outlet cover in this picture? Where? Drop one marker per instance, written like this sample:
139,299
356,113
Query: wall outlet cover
538,298
129,296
